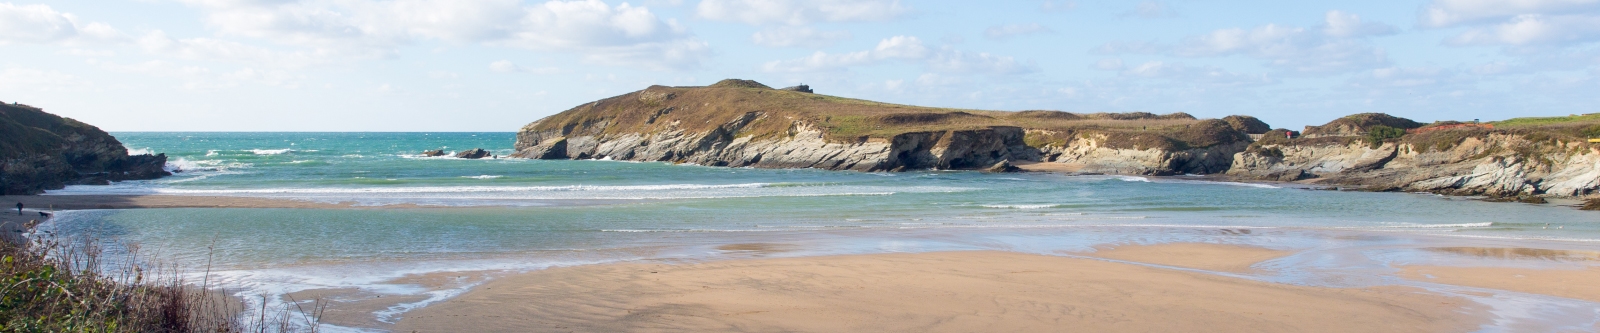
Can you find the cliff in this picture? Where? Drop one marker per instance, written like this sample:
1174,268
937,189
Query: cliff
1518,157
741,123
41,151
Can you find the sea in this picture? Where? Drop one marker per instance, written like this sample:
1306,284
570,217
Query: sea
410,215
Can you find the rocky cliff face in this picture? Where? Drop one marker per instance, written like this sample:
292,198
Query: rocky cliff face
805,147
40,151
1456,162
782,129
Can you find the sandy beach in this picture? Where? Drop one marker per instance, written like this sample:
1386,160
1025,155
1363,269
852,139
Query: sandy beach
934,292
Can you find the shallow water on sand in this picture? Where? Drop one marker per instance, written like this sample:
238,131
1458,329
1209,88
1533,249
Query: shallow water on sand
497,215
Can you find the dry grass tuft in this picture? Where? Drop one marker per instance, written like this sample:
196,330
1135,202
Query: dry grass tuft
52,286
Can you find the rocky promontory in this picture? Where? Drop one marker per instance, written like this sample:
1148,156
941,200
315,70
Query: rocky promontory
41,151
741,123
1512,158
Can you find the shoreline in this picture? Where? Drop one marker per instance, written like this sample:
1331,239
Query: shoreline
1313,184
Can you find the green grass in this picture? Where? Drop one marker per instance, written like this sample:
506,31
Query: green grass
1539,121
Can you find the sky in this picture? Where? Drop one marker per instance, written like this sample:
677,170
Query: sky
495,65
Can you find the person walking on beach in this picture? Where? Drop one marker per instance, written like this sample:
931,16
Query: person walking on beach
19,208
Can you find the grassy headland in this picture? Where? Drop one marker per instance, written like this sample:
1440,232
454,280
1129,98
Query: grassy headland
703,109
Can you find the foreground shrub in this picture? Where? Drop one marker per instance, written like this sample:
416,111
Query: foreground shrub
50,286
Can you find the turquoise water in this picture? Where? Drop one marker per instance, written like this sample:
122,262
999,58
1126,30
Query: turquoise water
516,214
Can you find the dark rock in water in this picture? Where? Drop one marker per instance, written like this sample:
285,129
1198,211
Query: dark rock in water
473,154
800,88
1518,198
40,151
433,153
1003,166
1592,204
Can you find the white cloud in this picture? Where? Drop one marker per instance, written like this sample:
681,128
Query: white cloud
613,35
1341,24
908,49
798,37
1185,73
954,61
157,42
1404,77
42,24
898,47
1119,47
1057,5
904,47
19,79
1013,30
443,75
1517,23
936,80
1151,9
204,79
1443,13
1337,46
799,12
1533,29
1109,64
506,66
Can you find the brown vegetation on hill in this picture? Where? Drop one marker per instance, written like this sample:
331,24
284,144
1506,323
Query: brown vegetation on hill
1359,124
774,112
41,151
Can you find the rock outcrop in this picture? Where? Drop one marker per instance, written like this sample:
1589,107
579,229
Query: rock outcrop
741,123
1457,161
800,88
41,151
433,153
473,154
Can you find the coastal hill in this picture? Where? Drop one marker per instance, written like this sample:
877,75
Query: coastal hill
1519,158
742,123
41,151
745,123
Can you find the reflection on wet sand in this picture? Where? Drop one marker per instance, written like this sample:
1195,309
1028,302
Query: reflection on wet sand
1520,253
757,248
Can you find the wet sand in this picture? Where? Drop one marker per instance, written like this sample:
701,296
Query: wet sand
13,225
1211,257
1576,273
975,291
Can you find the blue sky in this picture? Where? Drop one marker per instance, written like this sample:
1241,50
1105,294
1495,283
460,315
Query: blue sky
494,65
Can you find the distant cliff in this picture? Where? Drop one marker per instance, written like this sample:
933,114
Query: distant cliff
41,151
742,123
1518,157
